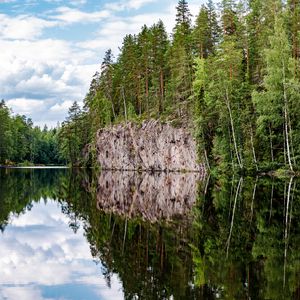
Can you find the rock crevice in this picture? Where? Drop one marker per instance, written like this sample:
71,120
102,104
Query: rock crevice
151,146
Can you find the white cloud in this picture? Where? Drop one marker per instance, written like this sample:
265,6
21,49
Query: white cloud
58,107
23,27
21,292
25,106
71,15
59,73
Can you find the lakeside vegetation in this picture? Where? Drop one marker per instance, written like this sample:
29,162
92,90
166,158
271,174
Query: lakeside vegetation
232,76
22,143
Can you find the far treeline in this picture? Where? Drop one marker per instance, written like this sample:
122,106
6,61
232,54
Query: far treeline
23,144
233,75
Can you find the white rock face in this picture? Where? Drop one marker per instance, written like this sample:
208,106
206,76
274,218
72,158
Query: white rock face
151,146
152,197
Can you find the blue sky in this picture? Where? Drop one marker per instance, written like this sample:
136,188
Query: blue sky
50,49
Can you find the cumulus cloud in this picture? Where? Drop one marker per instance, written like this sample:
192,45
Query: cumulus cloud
25,106
23,27
32,81
58,107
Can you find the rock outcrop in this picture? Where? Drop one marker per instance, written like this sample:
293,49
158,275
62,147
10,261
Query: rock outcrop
151,197
150,146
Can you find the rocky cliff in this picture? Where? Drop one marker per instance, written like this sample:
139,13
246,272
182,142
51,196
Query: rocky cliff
150,146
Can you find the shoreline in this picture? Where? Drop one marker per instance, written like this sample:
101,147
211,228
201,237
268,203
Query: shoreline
33,167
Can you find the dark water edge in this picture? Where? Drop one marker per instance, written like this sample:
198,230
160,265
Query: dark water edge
161,236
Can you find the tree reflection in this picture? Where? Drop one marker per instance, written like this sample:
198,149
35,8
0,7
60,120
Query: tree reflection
177,237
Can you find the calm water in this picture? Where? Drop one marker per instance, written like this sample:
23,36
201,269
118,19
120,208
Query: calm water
69,235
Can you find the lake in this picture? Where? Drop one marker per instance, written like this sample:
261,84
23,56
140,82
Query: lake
124,235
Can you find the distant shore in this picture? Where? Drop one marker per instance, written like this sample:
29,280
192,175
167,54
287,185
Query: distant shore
32,167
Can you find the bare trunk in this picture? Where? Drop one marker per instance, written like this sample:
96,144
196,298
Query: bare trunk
124,103
233,214
206,159
147,92
253,198
286,229
124,237
253,149
291,138
271,143
161,91
271,202
233,131
139,96
286,119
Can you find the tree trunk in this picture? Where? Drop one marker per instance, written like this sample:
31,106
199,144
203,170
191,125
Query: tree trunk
253,149
233,214
286,119
271,143
147,92
161,91
124,103
291,138
233,131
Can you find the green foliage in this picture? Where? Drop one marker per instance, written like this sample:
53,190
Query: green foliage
21,143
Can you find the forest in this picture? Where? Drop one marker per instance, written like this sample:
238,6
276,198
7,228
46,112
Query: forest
231,74
23,143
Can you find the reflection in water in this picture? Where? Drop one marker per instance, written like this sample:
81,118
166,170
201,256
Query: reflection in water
40,256
154,236
153,197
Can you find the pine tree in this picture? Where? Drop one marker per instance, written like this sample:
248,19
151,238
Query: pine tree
106,79
180,58
183,16
158,64
201,34
71,135
144,48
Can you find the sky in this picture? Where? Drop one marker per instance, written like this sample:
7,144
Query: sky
50,49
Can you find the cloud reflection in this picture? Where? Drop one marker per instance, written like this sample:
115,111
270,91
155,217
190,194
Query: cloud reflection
41,258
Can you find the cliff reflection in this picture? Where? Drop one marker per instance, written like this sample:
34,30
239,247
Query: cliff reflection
153,197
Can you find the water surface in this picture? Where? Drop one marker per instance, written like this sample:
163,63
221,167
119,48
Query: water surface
78,235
